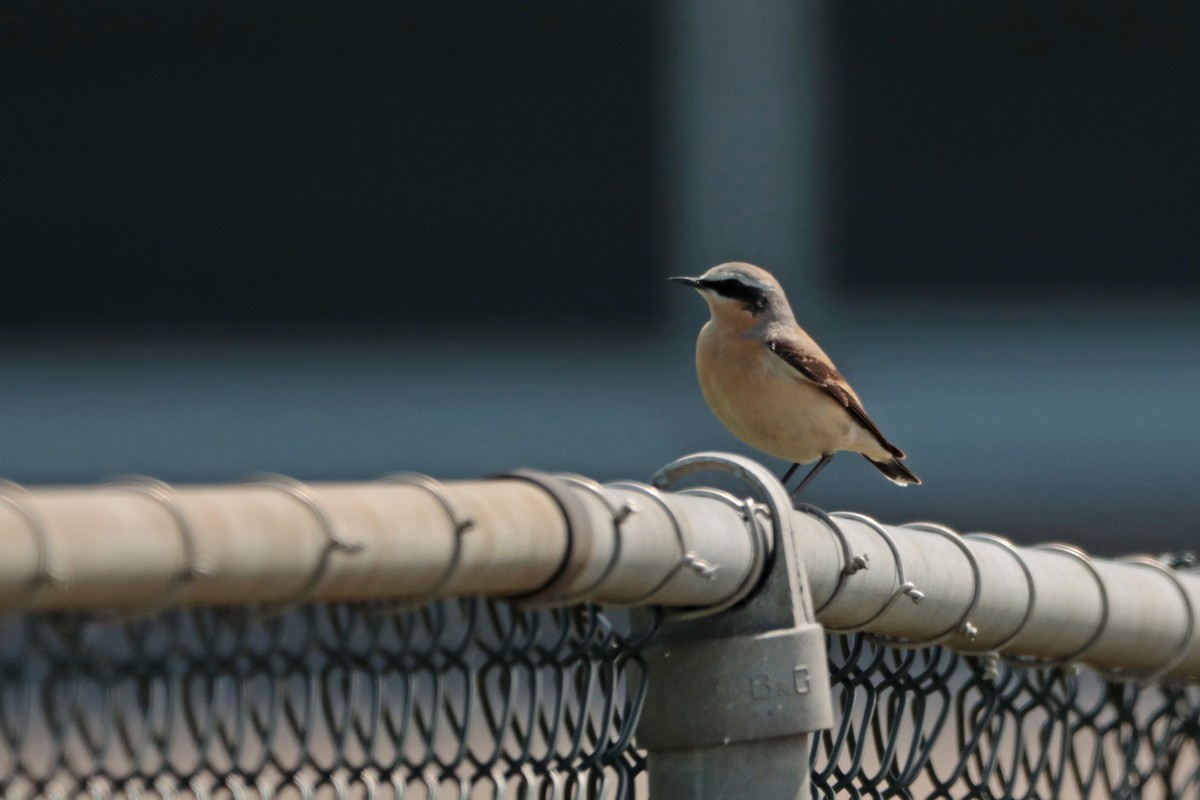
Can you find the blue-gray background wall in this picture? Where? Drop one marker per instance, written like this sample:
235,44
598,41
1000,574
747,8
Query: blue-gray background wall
336,240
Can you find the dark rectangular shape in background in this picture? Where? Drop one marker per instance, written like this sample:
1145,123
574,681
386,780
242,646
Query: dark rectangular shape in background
268,164
1016,147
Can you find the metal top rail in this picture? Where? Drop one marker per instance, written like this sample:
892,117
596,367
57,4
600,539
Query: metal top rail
139,545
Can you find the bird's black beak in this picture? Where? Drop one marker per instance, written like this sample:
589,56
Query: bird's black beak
695,283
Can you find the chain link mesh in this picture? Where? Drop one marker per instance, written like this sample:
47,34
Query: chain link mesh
931,723
463,699
476,699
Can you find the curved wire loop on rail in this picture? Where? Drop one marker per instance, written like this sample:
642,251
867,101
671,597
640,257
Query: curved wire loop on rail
702,567
1102,623
851,564
750,512
1008,546
45,576
962,624
459,526
905,588
619,511
333,543
166,496
775,503
686,558
1185,643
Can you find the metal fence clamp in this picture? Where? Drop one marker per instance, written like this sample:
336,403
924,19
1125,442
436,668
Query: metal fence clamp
734,699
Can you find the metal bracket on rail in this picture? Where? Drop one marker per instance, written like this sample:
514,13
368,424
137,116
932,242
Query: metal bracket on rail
733,699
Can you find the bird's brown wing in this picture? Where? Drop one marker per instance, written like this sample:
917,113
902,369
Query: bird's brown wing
825,375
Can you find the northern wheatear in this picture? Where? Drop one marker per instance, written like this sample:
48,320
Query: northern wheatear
772,386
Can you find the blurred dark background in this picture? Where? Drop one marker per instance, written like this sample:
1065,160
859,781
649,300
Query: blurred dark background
327,164
336,240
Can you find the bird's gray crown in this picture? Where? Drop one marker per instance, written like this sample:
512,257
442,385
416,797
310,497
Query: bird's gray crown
746,283
739,278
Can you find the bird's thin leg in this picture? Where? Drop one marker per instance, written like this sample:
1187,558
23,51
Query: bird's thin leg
787,476
812,473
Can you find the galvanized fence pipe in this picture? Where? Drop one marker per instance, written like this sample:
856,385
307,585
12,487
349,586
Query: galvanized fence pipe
923,584
137,545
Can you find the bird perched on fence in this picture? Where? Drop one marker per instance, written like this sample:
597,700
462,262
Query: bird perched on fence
772,386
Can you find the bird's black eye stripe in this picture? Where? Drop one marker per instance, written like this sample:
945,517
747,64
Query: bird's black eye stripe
735,290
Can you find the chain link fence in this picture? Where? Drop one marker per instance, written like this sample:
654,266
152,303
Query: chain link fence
478,699
931,723
463,699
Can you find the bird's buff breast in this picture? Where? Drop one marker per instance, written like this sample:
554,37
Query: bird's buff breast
753,393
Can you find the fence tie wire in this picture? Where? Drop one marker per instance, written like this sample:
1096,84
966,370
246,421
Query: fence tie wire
1031,587
851,563
1102,623
961,625
1185,641
686,558
619,511
904,587
749,511
191,568
333,543
460,525
45,574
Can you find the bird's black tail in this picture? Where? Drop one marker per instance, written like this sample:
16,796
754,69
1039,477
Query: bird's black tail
895,472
